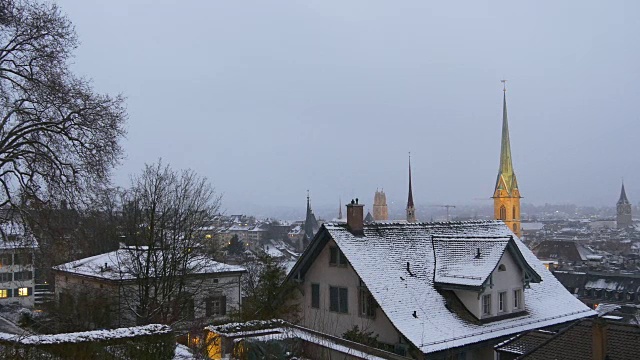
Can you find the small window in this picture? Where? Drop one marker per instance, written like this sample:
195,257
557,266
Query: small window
338,299
336,257
517,298
24,291
5,277
5,260
22,275
216,306
503,213
514,212
486,304
367,303
4,293
315,296
515,228
502,267
502,301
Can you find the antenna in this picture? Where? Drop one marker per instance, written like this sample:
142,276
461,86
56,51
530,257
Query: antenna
504,85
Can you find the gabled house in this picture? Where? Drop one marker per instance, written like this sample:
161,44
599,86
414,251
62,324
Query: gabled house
428,290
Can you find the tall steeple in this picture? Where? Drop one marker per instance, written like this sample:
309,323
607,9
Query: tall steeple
411,210
506,195
623,210
339,209
310,224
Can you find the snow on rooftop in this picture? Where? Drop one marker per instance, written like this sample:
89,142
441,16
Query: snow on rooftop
380,256
116,265
87,336
467,261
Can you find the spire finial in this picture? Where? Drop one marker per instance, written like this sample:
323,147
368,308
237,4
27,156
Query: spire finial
504,85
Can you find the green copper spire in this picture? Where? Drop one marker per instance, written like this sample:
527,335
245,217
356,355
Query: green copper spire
506,166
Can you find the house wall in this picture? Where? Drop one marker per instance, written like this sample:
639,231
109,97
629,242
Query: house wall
13,285
335,323
122,295
507,281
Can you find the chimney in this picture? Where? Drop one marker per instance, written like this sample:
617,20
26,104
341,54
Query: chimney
599,341
355,217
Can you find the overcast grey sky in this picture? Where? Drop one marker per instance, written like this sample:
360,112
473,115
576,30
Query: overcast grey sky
270,98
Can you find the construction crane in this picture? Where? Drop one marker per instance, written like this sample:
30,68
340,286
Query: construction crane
446,207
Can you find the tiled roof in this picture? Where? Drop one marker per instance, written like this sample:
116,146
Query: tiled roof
380,259
523,343
576,342
466,261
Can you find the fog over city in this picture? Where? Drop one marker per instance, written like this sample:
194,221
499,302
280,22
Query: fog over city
269,99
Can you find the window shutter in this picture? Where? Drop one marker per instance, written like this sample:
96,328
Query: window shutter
9,293
333,299
344,300
208,306
29,290
223,305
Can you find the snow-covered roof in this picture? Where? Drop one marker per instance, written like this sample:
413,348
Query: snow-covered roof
117,265
380,256
466,261
88,336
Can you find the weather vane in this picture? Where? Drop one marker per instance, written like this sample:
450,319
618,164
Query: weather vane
504,85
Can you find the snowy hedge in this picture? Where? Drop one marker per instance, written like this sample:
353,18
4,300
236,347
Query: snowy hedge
142,342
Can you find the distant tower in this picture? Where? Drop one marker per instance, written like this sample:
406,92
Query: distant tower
411,209
339,209
310,226
623,210
380,211
506,197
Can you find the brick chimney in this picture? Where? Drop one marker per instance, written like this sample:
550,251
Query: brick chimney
599,340
355,217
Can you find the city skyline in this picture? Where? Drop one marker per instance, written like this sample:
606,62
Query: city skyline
273,100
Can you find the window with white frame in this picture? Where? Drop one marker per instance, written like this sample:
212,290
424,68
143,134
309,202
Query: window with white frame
24,291
486,304
502,301
517,298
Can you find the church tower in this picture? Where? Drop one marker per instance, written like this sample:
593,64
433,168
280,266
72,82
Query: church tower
506,197
623,218
380,211
411,209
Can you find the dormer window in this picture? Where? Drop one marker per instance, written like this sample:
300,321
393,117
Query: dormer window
486,305
517,298
502,267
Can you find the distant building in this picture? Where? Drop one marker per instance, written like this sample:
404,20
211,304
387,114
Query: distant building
108,277
623,207
564,252
442,290
506,196
380,210
16,272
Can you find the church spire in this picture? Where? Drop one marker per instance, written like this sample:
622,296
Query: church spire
411,210
339,209
623,196
506,196
506,165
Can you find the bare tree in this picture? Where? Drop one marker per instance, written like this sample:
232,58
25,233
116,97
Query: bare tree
57,135
163,213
